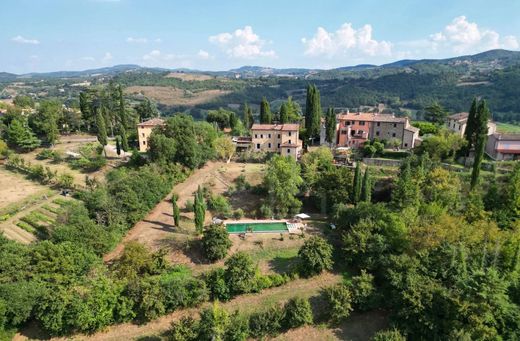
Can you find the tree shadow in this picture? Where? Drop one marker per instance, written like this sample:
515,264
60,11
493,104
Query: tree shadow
282,265
161,226
362,326
149,338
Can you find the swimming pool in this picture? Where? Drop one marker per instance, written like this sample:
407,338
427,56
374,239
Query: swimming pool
256,226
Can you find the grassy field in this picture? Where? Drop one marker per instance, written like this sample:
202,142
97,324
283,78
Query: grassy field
173,96
508,128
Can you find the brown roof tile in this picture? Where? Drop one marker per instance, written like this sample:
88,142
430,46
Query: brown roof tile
281,127
153,122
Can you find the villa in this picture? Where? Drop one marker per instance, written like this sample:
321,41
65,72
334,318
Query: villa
458,122
277,138
144,130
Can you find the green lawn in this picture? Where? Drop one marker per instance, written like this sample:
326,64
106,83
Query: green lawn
508,128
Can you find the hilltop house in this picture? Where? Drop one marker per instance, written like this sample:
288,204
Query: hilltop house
354,129
276,138
144,130
458,122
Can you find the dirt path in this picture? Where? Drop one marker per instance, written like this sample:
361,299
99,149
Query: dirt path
153,227
246,303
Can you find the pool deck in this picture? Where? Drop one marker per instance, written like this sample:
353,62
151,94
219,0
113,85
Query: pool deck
291,227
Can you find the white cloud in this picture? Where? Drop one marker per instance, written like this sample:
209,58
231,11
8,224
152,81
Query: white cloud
242,43
462,36
136,40
21,40
204,54
346,41
88,59
107,57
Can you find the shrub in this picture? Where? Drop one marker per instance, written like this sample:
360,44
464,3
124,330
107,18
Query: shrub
240,273
241,183
363,291
188,206
315,256
238,214
215,242
238,329
214,323
268,322
217,286
389,335
339,299
220,205
45,154
298,312
265,211
262,282
186,329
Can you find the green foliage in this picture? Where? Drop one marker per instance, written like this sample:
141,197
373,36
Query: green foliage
214,323
266,117
443,146
480,131
282,181
363,291
186,329
312,112
199,208
146,109
298,313
137,260
357,184
23,101
315,256
366,188
215,242
101,129
221,117
176,212
266,323
224,148
238,329
240,273
45,121
339,301
330,126
389,335
21,137
426,128
435,113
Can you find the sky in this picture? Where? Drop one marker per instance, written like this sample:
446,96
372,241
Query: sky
52,35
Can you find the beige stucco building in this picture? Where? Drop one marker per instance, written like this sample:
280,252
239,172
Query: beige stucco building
277,138
458,122
144,130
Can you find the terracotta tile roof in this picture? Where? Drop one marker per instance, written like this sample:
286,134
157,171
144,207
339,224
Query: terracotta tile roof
371,117
460,117
153,122
281,127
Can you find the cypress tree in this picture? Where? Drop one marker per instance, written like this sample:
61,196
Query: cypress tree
247,123
366,190
312,112
357,184
330,126
122,112
176,211
265,112
250,118
101,129
471,126
118,145
124,139
480,141
284,114
199,210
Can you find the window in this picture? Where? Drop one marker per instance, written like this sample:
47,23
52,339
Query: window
360,132
395,125
288,151
289,133
406,144
279,136
258,146
347,123
289,141
377,133
261,136
343,132
142,134
278,145
269,136
256,136
378,124
361,123
144,143
269,145
352,132
393,134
